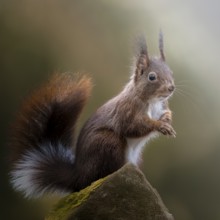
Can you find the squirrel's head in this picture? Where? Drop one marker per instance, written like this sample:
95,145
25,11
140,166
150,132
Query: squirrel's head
152,77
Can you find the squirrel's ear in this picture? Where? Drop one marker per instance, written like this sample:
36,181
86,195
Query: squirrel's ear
142,58
162,56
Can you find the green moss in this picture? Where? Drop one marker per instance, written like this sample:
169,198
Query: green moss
67,204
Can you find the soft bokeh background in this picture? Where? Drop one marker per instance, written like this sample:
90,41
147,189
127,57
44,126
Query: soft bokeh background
40,37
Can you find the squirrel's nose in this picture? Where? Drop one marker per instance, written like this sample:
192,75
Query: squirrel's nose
171,88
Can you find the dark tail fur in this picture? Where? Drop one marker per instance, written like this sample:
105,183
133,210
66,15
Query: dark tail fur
42,139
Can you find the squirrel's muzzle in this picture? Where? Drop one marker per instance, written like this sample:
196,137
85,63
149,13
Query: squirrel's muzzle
171,88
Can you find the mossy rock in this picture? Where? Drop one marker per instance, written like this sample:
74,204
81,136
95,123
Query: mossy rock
123,195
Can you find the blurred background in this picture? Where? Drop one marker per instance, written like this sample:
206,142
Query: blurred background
40,37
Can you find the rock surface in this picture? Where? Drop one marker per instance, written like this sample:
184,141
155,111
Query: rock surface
123,195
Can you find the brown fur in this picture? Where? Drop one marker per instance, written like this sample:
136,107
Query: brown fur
50,112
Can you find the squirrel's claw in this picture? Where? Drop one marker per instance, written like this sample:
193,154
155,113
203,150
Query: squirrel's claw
167,129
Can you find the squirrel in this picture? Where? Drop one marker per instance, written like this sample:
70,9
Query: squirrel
46,156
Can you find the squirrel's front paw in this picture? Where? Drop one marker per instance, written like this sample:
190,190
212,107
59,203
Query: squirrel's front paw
166,117
166,129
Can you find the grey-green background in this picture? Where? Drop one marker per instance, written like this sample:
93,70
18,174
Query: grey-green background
40,37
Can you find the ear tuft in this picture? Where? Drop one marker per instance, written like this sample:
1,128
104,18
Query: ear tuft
162,56
141,54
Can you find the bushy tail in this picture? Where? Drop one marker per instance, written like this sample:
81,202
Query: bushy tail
42,136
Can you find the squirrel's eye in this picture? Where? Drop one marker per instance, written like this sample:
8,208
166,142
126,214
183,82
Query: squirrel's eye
152,76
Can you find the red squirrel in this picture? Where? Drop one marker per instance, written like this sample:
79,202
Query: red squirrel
47,157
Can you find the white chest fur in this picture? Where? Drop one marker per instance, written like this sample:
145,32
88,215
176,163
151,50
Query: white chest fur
156,110
136,145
